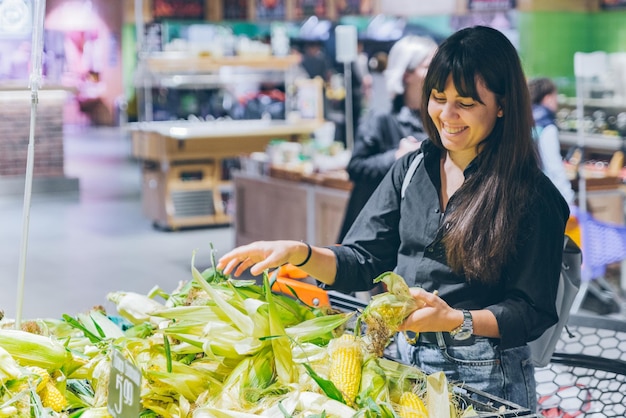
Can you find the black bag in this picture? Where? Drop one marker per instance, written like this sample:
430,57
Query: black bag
569,283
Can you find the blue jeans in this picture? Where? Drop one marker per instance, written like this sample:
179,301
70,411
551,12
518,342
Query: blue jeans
508,374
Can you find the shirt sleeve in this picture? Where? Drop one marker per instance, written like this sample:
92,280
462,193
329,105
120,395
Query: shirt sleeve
371,246
530,280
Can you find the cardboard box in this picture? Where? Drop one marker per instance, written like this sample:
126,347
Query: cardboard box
606,206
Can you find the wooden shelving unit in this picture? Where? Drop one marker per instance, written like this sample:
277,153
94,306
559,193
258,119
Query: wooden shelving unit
183,179
182,63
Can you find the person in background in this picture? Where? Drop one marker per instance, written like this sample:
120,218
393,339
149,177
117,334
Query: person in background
543,96
477,234
384,137
315,62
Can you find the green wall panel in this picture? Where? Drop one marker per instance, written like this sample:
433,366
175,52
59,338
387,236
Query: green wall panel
548,41
608,31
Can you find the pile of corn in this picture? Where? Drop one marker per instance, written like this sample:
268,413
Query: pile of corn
215,347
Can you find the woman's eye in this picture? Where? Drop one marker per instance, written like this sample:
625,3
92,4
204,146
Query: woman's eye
439,99
466,105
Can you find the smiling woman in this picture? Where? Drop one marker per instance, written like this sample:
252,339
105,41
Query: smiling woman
478,232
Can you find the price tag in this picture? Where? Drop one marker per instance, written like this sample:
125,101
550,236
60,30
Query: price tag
124,388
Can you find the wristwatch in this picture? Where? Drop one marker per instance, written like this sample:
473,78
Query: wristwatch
466,329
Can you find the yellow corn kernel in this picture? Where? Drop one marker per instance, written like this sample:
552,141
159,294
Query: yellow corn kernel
391,314
411,406
51,397
43,374
346,362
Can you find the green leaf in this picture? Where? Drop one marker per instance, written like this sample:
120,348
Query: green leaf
168,353
243,322
317,327
327,386
76,324
282,348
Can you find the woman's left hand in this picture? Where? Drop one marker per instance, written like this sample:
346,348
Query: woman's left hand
433,315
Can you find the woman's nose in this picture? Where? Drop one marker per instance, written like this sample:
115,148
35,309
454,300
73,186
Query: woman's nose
448,110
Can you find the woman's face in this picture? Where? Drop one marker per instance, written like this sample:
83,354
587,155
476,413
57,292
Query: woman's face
463,122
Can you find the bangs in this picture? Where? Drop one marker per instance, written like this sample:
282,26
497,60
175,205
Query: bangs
463,69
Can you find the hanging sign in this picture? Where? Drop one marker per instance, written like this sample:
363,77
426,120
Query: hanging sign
490,5
178,9
124,387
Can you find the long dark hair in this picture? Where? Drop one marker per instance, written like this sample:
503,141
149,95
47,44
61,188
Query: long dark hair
483,226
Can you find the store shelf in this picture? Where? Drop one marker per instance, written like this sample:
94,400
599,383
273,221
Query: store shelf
612,102
185,182
188,63
592,141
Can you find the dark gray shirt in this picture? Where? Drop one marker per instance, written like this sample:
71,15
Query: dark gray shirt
404,234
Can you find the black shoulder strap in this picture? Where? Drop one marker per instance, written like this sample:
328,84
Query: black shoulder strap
410,172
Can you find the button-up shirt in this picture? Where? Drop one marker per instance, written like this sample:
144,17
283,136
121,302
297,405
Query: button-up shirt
404,234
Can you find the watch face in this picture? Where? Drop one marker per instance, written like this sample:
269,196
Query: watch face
464,334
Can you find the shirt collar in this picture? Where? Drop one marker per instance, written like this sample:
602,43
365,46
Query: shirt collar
432,151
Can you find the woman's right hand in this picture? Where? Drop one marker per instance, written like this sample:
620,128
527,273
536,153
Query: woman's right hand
262,255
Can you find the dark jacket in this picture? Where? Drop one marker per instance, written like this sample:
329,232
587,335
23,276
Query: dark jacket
374,152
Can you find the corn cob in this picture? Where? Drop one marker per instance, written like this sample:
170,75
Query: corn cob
411,406
51,397
43,374
386,311
346,361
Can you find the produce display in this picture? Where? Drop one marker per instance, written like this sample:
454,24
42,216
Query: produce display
220,347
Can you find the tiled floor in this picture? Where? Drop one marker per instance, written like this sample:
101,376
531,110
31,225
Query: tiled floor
84,244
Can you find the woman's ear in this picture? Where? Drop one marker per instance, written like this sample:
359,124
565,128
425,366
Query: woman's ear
500,108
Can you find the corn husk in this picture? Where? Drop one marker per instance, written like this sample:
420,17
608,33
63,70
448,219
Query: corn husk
136,308
36,350
438,396
373,382
281,344
9,368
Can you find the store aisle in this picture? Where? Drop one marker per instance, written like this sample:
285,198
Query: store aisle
83,245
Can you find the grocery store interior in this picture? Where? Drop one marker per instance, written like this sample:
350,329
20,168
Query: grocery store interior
166,128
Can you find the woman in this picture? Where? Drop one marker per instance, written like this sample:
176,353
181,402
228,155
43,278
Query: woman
479,223
385,136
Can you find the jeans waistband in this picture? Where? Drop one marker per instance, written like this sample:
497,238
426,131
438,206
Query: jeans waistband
431,338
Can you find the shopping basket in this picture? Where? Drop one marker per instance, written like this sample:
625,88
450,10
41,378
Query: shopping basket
602,244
